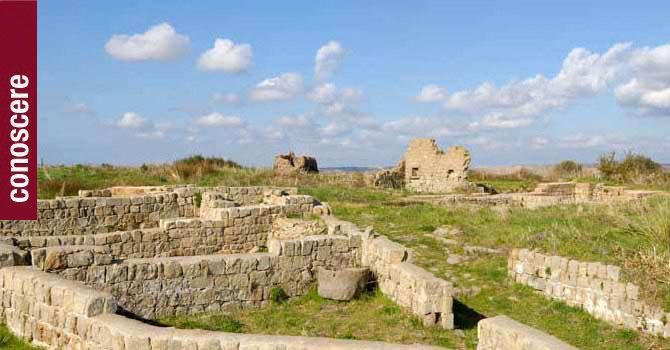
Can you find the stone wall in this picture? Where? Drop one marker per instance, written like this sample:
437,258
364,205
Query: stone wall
48,310
428,169
595,287
503,333
134,208
76,216
415,289
156,287
57,314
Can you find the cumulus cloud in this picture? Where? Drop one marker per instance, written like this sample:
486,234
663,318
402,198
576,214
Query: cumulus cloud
328,59
648,90
160,42
336,101
282,87
301,121
132,120
219,120
581,141
79,108
229,98
226,56
519,103
431,93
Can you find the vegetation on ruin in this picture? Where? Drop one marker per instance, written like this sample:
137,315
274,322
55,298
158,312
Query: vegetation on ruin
371,317
10,342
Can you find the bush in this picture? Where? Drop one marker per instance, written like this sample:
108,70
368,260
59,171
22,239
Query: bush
195,167
277,295
634,167
567,169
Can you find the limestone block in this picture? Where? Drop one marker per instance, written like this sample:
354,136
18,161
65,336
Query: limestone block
342,284
503,333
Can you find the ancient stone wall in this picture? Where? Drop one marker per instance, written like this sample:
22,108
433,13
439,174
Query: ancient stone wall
415,289
58,314
76,216
595,287
135,208
155,287
503,333
48,310
428,169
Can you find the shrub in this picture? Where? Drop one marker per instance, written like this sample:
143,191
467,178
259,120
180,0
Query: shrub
567,169
277,295
634,167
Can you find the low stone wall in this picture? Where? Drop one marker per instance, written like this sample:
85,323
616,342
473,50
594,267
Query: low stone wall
595,287
503,333
128,208
234,230
415,289
57,314
158,287
76,216
48,310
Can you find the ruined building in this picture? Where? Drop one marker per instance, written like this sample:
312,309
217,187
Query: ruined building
288,164
426,168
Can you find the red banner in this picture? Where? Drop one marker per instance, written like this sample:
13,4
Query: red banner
18,101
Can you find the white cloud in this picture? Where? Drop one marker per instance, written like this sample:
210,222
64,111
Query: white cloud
420,127
431,93
219,120
581,141
152,134
328,59
337,102
226,56
519,103
333,129
282,87
648,91
538,142
229,98
323,94
80,108
301,121
160,42
132,120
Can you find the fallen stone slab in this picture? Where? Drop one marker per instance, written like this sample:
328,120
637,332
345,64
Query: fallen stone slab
342,285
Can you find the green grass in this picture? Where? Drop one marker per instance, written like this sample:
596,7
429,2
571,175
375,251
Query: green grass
587,232
9,342
371,317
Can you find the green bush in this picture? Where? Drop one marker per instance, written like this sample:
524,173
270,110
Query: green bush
633,168
277,295
567,169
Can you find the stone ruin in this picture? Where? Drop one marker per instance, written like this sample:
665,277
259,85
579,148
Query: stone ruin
290,164
92,268
544,195
426,168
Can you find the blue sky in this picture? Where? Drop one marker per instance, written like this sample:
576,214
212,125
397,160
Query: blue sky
350,82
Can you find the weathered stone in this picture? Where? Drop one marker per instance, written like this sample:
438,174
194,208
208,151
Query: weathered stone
287,164
342,284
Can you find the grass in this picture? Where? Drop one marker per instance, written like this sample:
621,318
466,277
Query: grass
587,232
371,317
9,342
